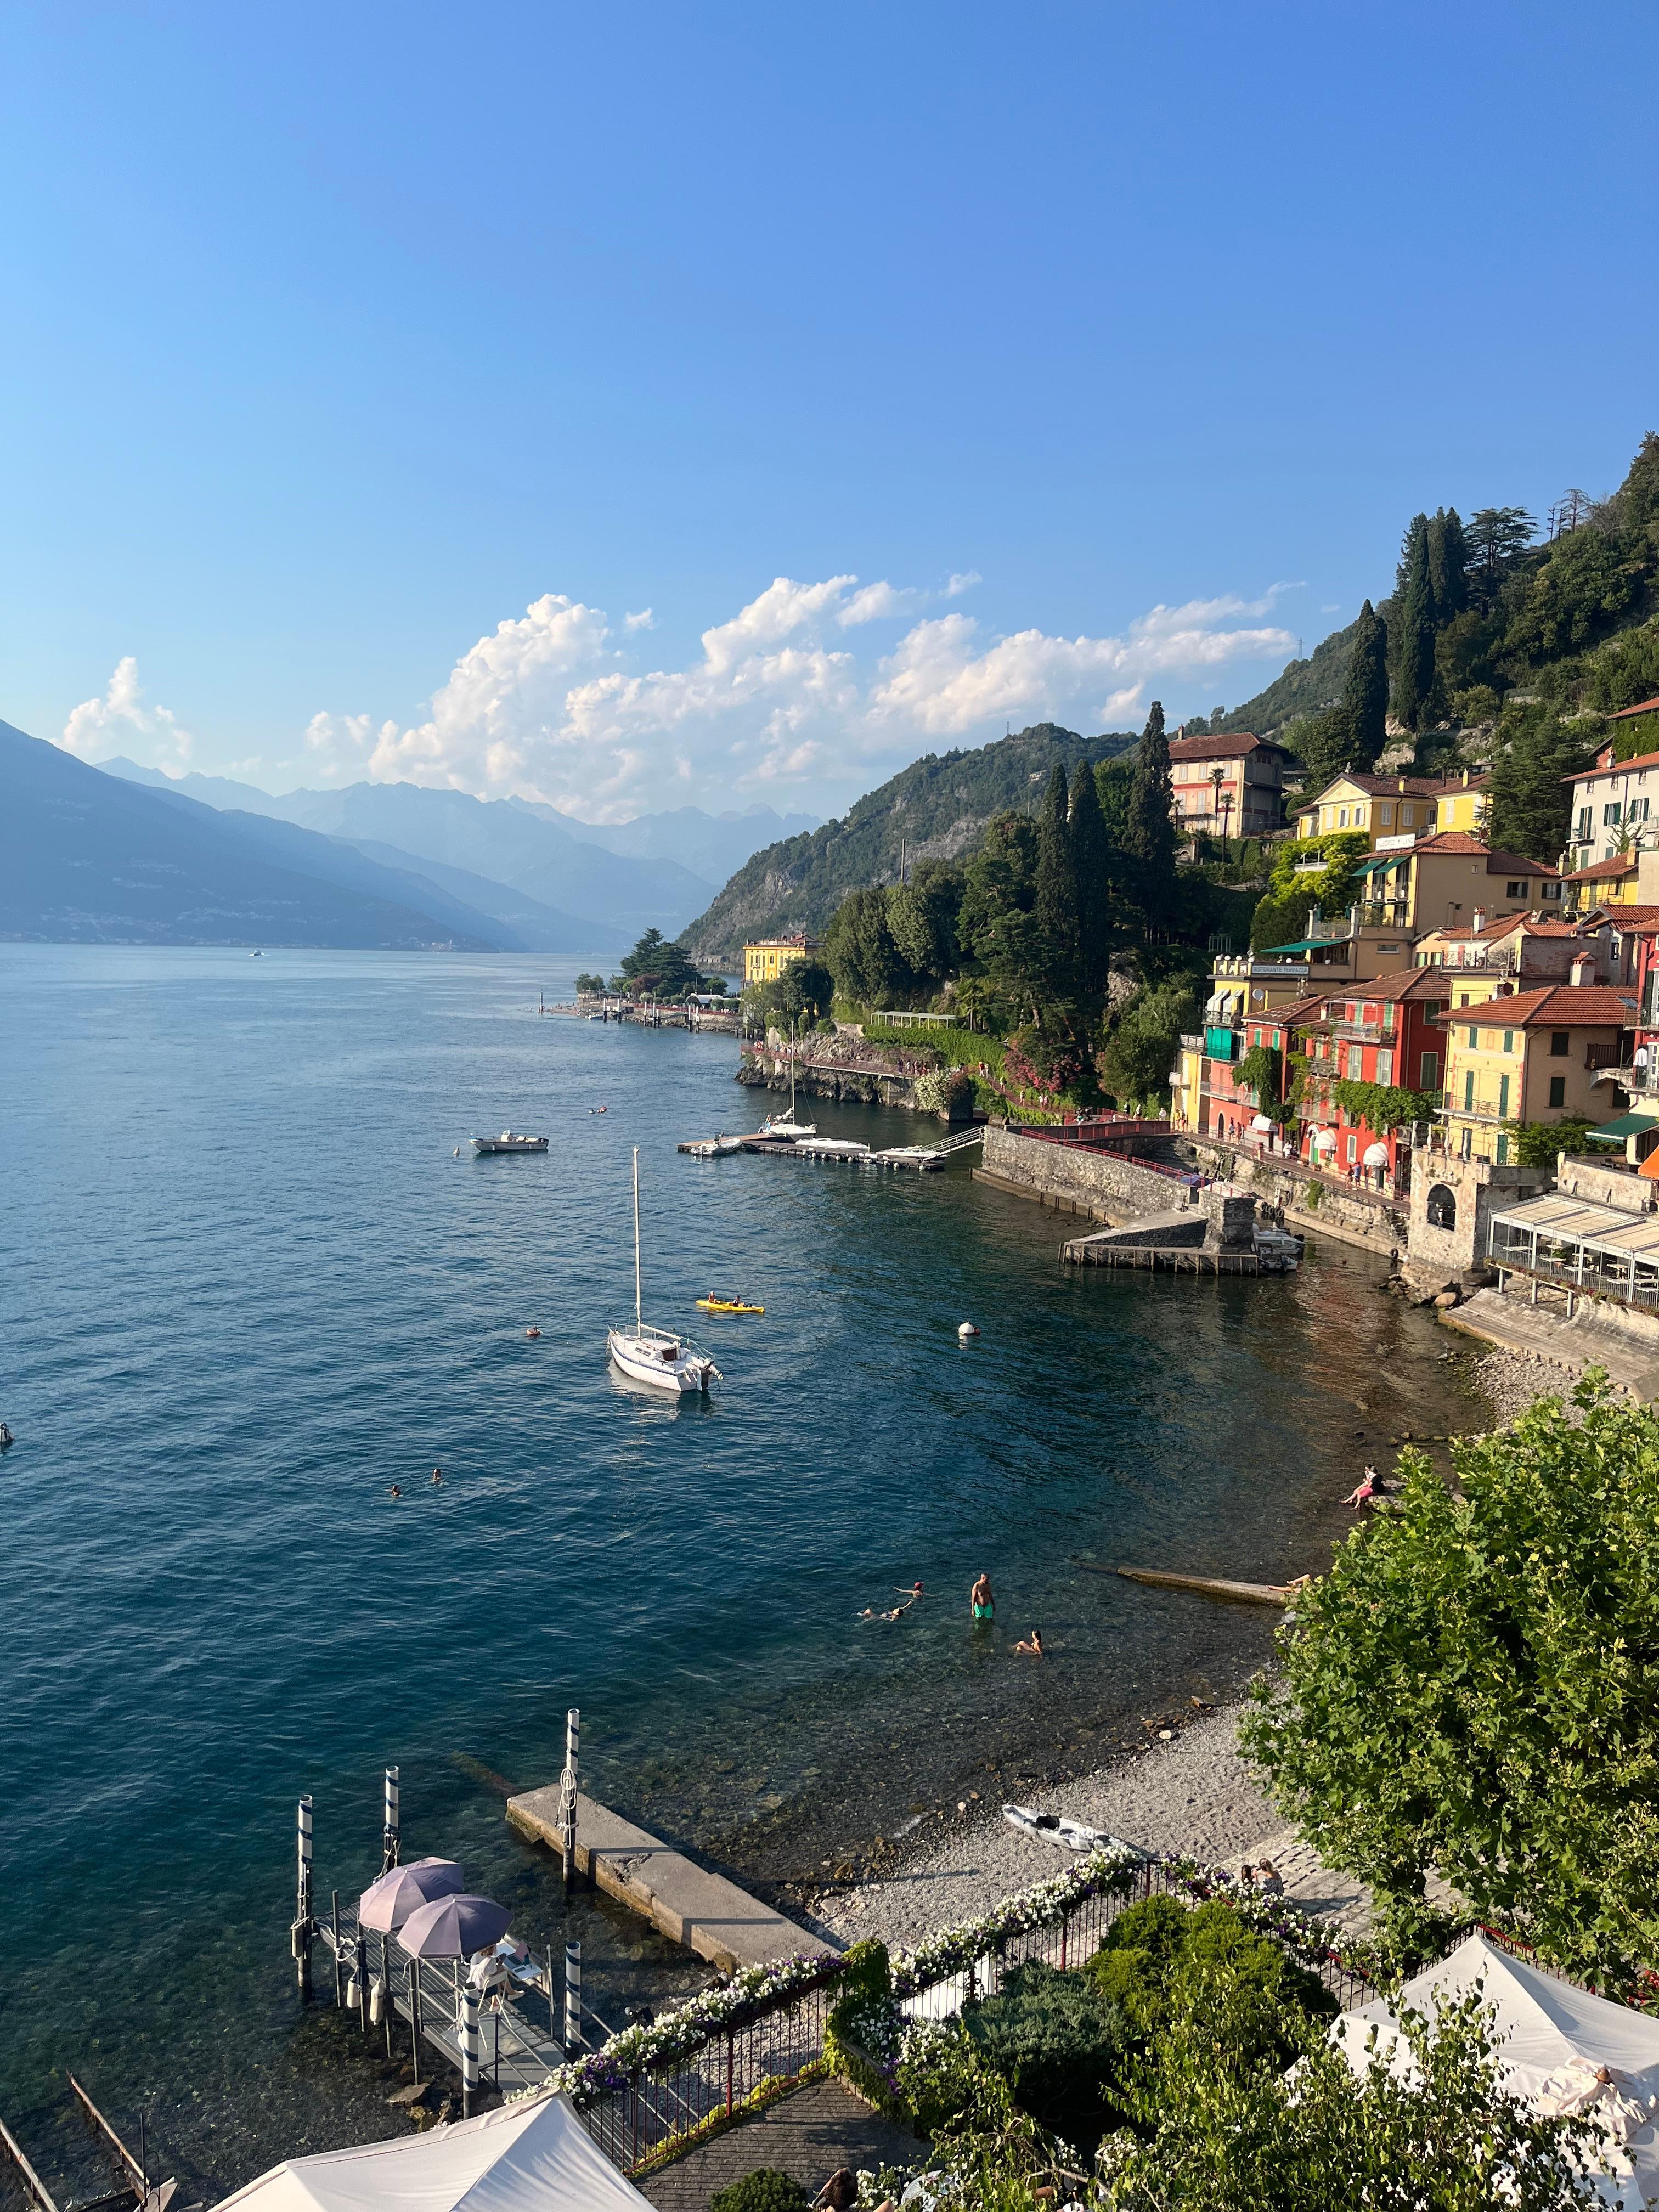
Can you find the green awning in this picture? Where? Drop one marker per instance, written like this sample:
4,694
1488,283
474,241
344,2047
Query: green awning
1627,1125
1378,861
1303,944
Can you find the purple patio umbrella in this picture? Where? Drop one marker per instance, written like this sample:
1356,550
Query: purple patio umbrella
388,1902
453,1927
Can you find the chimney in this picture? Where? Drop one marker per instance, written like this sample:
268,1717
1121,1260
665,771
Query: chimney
1402,785
1582,971
1480,922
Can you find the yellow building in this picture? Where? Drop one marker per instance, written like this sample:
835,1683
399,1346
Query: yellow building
1395,807
1465,806
1186,1082
765,960
1534,1057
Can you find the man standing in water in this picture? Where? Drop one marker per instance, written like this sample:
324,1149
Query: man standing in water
981,1599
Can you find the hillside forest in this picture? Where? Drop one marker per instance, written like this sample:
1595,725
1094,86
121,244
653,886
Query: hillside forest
1068,936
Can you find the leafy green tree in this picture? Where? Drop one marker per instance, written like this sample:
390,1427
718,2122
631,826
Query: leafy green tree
868,967
1056,899
1114,782
922,916
1092,873
1635,505
661,966
998,924
1531,799
1053,2038
1535,1143
593,984
1626,671
1149,835
1588,582
1140,1047
1414,628
806,990
1469,1691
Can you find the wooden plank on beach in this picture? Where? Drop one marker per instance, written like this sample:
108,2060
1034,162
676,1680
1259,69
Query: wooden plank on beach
1206,1585
32,2181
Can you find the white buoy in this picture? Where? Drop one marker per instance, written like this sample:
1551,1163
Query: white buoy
965,1329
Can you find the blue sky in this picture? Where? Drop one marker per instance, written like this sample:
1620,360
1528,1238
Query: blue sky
338,338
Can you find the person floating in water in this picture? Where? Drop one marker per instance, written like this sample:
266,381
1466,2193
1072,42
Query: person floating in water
1033,1647
869,1613
1363,1491
437,1474
396,1491
980,1598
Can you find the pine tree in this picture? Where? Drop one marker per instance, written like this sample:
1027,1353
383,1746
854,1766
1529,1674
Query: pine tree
1057,888
1414,674
1448,556
1531,800
1091,868
1365,696
1149,836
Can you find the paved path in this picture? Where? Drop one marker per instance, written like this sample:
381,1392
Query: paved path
807,2135
1572,1345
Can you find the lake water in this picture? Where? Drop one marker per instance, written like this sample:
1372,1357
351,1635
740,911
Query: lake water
246,1286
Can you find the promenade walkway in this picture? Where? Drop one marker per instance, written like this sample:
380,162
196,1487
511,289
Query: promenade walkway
807,2135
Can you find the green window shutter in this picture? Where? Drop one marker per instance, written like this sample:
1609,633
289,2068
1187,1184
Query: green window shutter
1475,1039
1503,1149
1468,1090
1503,1098
1509,1040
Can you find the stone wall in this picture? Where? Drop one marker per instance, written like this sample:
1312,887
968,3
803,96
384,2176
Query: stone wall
1439,1258
1307,1201
858,1086
1098,1184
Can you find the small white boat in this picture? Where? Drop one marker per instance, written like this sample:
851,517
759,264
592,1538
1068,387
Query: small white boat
509,1141
785,1126
657,1356
714,1148
909,1156
1279,1244
1065,1835
833,1148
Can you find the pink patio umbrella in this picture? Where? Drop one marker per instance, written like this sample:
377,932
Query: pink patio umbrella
453,1927
388,1902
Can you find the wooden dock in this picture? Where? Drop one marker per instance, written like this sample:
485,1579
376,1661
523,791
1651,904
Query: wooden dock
706,1913
1172,1259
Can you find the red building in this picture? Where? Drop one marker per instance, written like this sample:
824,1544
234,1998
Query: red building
1379,1032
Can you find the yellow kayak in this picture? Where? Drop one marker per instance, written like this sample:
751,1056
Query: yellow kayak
728,1305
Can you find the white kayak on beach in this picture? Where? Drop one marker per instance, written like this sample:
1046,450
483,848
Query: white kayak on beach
1065,1835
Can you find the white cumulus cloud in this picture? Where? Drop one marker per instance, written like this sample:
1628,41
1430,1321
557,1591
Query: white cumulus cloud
122,722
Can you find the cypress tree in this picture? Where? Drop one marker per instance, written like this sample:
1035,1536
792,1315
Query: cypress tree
1149,834
1414,675
1449,560
1091,869
1057,888
1365,695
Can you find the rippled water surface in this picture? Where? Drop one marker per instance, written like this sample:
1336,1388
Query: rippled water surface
246,1286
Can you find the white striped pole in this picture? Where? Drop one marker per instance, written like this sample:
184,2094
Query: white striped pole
573,1741
469,2039
573,1997
302,1935
390,1838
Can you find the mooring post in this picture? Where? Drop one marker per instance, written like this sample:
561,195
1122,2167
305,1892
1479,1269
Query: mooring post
468,2026
300,1942
573,1741
573,1997
334,1922
414,2014
389,1823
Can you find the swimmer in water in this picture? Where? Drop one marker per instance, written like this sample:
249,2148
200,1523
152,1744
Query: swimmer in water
1033,1649
437,1474
532,1332
980,1597
396,1492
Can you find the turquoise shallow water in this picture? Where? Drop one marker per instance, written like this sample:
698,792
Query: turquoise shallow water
245,1287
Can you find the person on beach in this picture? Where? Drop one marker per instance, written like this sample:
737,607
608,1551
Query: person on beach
1363,1491
1032,1647
982,1602
1271,1881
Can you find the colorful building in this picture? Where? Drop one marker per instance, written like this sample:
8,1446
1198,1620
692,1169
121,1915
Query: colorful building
1385,1032
1446,879
766,959
1465,806
1401,807
1232,785
1482,961
1534,1057
1615,804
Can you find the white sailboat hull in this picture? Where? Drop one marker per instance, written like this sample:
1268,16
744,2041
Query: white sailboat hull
663,1362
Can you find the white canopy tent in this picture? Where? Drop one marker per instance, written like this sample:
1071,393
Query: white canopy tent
536,2156
1554,2040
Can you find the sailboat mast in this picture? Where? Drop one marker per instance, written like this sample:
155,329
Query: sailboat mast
792,1067
638,1323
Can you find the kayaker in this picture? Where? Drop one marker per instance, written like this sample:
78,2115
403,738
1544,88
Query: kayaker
980,1597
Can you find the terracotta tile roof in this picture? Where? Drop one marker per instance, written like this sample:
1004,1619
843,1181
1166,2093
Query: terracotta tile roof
1642,706
1402,983
1555,1005
1227,744
1299,1010
1640,917
1607,870
1619,768
1391,786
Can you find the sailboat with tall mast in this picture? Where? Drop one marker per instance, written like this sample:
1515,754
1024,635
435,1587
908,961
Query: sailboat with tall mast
651,1355
773,1126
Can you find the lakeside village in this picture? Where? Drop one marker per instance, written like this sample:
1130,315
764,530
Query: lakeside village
1432,1980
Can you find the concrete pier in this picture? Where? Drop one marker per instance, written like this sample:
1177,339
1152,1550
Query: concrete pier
709,1914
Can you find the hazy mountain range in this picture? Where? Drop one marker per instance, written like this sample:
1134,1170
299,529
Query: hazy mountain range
124,853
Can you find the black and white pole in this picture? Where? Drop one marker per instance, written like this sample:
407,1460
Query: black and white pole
573,1997
573,1741
390,1839
468,2041
300,1941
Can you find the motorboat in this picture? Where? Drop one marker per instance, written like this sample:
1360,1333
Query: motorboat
714,1148
509,1141
657,1356
832,1148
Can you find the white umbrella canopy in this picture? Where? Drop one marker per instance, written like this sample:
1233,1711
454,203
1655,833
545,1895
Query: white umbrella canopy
535,2156
1263,1122
389,1900
1553,2037
453,1927
1376,1155
1324,1140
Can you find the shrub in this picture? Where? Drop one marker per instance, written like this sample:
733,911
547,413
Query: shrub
765,2190
1054,2038
1152,1957
944,2083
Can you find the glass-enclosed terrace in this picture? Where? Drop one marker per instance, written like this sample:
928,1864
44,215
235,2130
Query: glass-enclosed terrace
1580,1246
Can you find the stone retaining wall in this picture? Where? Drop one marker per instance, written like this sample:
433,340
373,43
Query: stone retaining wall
858,1086
1307,1201
1110,1188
